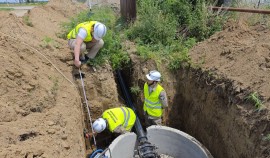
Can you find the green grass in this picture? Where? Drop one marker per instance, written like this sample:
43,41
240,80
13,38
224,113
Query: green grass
135,90
6,9
145,52
267,137
55,85
254,98
22,4
49,42
27,21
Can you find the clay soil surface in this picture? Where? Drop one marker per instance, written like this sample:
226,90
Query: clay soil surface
241,53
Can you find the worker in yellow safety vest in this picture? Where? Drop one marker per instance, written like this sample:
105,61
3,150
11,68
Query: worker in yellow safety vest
155,99
86,36
117,120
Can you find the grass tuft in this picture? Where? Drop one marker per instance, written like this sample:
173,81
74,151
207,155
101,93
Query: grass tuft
27,21
135,90
254,98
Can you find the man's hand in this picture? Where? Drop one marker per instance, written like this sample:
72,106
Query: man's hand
94,134
77,63
120,129
78,43
90,135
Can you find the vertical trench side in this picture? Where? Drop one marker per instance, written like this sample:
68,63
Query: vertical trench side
199,111
214,115
169,141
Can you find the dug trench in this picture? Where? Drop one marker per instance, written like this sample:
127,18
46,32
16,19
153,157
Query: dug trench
209,108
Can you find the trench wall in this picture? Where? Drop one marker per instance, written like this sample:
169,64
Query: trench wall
216,114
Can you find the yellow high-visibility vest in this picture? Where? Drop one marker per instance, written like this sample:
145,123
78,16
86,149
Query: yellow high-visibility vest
152,104
87,26
119,116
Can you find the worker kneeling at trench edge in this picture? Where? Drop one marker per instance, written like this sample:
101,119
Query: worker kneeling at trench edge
117,120
86,40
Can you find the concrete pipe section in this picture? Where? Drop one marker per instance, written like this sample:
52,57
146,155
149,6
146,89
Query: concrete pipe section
169,141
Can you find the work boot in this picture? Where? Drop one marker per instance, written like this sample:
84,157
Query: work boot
84,59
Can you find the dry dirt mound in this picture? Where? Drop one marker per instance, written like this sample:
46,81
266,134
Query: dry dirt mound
40,108
240,53
234,63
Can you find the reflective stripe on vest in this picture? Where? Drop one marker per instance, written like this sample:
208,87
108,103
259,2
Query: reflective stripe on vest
156,105
87,26
126,117
119,116
152,104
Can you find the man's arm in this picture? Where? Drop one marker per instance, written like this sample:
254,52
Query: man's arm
77,48
163,99
164,102
79,40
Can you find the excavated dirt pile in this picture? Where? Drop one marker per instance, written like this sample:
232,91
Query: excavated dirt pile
235,64
40,107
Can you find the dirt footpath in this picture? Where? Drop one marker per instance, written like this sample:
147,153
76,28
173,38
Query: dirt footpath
20,10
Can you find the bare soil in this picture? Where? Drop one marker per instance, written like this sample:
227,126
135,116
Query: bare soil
233,64
240,53
41,107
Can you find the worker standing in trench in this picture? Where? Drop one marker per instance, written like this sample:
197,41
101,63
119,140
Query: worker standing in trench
155,99
86,36
117,120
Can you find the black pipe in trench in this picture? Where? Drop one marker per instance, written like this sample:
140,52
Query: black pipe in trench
139,130
145,148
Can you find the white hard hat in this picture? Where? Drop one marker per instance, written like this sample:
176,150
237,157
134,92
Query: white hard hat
153,76
99,30
99,125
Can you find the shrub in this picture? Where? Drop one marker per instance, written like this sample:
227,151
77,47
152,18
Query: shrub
165,30
177,59
194,19
144,52
152,25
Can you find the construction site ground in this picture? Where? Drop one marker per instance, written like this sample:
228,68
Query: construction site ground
41,109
